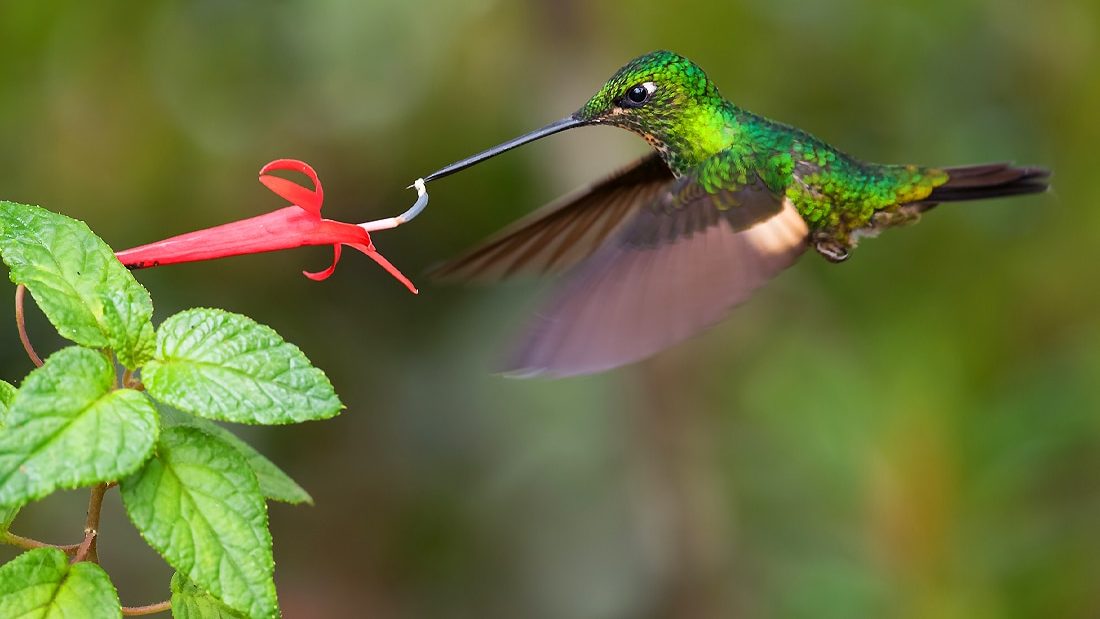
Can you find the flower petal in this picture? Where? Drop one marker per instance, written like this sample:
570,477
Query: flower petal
373,254
320,276
309,199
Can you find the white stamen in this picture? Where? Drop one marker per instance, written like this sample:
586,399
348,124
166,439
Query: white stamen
407,216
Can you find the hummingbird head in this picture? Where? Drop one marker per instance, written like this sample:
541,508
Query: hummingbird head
661,96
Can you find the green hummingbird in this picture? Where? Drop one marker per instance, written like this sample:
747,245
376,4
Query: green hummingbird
667,246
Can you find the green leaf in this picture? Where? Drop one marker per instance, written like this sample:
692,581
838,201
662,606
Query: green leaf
274,483
7,515
191,602
225,366
74,277
41,584
124,310
199,505
7,394
67,428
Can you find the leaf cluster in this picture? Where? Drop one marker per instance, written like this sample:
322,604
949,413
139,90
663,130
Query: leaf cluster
136,405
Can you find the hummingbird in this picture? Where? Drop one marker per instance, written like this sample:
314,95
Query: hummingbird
667,246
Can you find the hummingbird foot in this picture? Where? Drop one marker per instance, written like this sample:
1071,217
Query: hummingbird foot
835,244
829,246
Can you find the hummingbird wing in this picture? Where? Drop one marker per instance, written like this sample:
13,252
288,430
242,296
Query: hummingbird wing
564,232
675,268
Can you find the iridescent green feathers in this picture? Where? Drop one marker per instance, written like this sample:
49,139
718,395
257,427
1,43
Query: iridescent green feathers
689,122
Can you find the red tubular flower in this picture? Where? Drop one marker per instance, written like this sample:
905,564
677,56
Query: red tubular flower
286,228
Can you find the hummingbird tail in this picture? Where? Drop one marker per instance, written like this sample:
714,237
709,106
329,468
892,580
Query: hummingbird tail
992,180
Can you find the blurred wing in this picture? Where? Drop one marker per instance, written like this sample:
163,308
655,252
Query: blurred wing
564,232
677,267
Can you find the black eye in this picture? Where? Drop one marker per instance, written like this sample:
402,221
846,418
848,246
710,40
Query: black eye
636,96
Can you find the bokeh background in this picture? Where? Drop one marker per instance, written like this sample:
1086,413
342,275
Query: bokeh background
915,433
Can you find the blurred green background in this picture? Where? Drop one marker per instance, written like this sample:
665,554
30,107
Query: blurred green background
915,433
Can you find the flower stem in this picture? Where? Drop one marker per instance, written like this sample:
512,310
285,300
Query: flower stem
20,291
87,550
148,609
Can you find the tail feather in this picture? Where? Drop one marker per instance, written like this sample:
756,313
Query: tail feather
993,180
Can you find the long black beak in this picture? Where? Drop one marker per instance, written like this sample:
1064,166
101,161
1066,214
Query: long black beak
555,127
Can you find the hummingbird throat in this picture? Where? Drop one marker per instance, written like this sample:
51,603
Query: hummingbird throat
688,137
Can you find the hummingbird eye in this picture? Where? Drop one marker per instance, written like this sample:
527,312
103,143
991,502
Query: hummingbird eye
638,95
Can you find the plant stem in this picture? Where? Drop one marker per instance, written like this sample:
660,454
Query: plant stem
129,381
20,291
149,609
87,551
27,543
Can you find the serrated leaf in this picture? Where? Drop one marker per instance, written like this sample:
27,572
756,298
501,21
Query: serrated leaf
74,277
7,515
191,602
7,394
133,348
274,483
41,584
67,428
220,365
199,505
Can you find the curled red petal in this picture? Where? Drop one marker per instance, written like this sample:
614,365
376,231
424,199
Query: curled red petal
293,165
308,199
293,193
320,276
373,254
